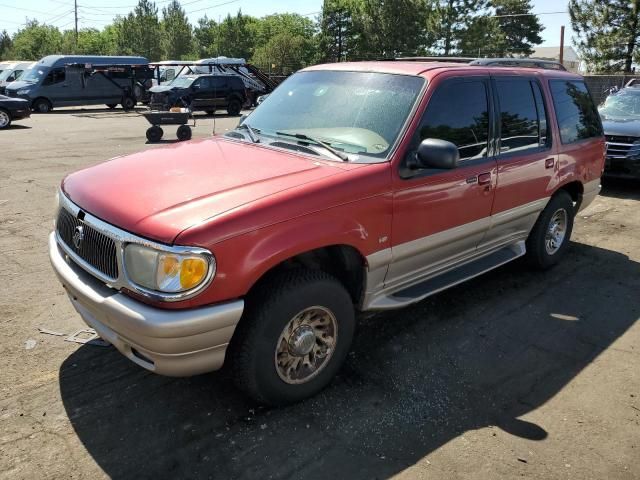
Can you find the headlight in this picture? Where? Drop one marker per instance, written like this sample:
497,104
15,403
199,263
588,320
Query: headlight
24,91
168,271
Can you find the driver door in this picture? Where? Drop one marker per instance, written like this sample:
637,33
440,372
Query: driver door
440,216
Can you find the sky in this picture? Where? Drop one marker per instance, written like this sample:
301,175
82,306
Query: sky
97,13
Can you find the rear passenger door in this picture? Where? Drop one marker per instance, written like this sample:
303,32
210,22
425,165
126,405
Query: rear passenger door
527,160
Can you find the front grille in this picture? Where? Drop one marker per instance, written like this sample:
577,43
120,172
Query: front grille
97,249
11,93
622,146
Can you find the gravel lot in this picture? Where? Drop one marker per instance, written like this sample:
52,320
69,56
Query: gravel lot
514,374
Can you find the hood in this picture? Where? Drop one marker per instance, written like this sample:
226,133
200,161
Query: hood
18,84
160,192
162,89
18,102
621,127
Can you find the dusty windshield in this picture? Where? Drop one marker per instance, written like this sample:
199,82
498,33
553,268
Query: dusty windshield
621,105
358,113
34,74
182,82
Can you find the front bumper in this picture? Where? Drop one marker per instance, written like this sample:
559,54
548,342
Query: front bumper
19,114
622,167
168,342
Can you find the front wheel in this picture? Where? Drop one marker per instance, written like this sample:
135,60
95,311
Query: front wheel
5,119
550,235
42,105
293,338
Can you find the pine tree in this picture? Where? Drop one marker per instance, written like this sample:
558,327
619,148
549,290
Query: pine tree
177,38
607,33
337,34
521,30
452,20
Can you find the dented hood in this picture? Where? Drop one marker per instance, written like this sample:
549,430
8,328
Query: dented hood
160,192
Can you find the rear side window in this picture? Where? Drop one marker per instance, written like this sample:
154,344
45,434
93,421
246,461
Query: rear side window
523,123
577,116
218,82
57,75
458,112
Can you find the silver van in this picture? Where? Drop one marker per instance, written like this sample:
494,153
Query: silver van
12,72
74,80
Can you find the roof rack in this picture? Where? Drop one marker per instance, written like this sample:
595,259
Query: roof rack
518,62
432,59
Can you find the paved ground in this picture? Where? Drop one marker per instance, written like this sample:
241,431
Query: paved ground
514,374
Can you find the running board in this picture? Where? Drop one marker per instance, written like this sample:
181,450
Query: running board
420,291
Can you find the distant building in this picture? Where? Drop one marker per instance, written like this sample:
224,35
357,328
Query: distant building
571,59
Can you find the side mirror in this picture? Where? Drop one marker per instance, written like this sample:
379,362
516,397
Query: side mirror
435,153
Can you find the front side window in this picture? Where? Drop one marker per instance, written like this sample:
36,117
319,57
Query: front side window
218,82
576,113
57,75
358,113
522,115
458,112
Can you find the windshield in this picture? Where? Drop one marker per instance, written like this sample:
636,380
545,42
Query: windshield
356,112
623,104
4,74
34,74
182,82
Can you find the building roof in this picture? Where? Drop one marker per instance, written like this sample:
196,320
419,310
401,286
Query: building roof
553,53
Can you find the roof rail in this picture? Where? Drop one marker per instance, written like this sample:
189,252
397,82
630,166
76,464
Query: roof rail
432,59
519,62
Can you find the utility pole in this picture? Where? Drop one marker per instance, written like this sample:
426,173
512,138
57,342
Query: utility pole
562,45
75,5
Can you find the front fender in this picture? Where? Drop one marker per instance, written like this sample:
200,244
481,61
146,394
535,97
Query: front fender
241,261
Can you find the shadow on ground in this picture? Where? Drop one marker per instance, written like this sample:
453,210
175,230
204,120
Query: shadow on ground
623,188
483,353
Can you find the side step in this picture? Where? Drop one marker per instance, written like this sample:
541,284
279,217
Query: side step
433,285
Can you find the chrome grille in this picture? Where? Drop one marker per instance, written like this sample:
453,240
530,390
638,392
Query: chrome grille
97,249
622,146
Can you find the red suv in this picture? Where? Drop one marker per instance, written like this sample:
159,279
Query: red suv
352,187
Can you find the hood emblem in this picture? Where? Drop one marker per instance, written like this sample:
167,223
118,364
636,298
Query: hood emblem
78,237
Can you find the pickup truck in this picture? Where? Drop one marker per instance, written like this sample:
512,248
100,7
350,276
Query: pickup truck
352,187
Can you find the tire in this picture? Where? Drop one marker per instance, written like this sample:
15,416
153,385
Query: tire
41,105
262,340
154,134
128,103
184,133
235,107
111,106
550,235
5,118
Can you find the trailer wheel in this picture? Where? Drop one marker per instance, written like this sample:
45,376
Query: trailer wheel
42,105
184,133
154,134
111,106
128,103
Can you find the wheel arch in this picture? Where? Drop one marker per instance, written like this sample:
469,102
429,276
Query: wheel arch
345,262
575,189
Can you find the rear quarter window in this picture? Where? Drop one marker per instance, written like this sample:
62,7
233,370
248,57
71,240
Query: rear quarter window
577,116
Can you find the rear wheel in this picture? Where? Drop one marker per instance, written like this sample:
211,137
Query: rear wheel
154,134
128,103
5,118
293,338
234,107
184,133
550,235
42,105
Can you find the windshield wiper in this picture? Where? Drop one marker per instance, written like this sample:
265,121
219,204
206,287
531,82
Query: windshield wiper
251,131
301,136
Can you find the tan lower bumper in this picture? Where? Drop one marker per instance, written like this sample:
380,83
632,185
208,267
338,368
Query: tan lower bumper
168,342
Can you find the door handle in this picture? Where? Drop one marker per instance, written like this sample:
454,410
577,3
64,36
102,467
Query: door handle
549,163
484,178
